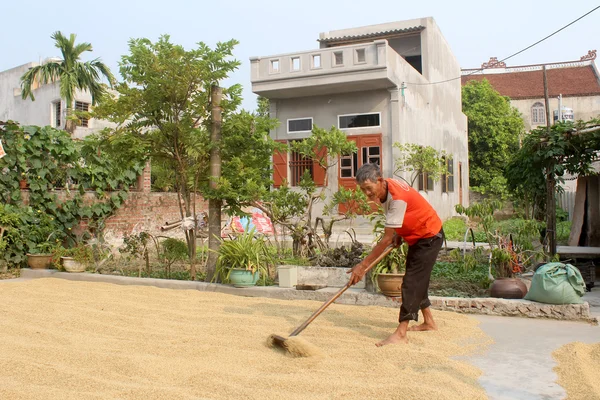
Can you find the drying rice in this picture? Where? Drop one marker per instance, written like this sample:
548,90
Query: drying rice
578,370
83,340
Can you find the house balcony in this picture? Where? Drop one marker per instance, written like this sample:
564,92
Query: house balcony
352,68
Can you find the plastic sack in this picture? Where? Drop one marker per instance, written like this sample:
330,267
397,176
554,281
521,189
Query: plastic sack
557,283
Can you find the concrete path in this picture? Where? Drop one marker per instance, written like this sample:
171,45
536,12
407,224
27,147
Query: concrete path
518,366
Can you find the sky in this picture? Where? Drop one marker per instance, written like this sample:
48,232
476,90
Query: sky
475,30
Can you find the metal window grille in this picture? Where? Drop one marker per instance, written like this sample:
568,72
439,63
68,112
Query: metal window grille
299,164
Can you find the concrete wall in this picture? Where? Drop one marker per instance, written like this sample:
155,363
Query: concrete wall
584,108
39,112
414,108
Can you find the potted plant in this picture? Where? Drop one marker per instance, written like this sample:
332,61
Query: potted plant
507,263
242,260
74,259
388,274
38,231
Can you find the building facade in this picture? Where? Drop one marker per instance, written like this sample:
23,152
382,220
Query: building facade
48,107
380,84
577,83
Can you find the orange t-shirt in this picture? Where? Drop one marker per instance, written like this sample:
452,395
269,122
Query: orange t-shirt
409,213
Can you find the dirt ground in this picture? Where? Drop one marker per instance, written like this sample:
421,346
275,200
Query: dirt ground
81,340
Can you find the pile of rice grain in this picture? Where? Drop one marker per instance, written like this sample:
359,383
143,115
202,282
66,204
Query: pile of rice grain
578,370
82,340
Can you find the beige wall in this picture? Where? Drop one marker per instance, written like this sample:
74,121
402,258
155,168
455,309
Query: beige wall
39,112
584,108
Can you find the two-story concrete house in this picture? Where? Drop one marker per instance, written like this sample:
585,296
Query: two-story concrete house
48,107
380,84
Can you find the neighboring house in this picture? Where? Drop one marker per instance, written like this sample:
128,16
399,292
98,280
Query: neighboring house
578,82
379,84
47,109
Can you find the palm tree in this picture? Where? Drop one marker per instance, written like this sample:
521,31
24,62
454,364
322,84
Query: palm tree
72,73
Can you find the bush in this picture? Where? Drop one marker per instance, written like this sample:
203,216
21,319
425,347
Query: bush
343,257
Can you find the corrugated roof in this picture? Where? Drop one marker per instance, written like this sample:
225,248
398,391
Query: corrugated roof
374,34
570,81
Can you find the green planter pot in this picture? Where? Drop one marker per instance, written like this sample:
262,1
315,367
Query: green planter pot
243,278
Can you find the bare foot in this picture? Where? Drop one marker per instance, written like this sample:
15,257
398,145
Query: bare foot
394,338
423,327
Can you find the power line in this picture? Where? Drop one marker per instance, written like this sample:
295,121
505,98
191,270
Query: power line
512,55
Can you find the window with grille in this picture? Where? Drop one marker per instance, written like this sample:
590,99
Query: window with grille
82,107
538,114
448,179
57,114
299,165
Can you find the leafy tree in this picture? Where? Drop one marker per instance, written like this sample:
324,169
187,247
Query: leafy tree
294,208
72,74
560,151
163,107
418,160
494,130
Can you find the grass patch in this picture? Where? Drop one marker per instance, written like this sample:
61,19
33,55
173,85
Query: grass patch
451,279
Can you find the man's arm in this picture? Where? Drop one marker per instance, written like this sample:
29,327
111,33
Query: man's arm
360,269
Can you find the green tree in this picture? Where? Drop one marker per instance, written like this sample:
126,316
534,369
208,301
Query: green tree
294,208
494,130
418,160
164,108
71,73
562,150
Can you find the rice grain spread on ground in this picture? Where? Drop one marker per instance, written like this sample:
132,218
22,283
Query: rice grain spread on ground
578,370
82,340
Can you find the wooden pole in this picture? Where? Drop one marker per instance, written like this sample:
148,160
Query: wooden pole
214,205
550,183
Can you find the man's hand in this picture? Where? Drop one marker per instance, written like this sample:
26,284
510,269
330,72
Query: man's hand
397,240
358,271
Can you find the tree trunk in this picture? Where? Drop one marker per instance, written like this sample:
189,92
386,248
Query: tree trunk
214,205
550,184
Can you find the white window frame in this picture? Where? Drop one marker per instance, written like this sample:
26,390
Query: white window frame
287,125
359,127
333,60
271,69
312,61
539,106
292,69
356,60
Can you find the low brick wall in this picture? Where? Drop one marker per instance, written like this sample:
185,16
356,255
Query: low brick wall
520,308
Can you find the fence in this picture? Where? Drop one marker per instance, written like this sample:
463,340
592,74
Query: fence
566,201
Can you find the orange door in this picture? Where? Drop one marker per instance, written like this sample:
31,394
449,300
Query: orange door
369,151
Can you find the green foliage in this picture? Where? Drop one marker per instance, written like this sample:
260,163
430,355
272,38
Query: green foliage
557,152
494,130
454,229
293,209
173,250
49,159
70,72
452,279
418,159
244,252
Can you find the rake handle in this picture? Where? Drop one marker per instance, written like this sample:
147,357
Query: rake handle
338,294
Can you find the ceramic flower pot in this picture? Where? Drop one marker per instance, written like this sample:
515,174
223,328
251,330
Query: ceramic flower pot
508,288
39,261
70,265
390,284
243,278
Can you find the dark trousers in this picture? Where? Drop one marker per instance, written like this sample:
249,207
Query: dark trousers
419,264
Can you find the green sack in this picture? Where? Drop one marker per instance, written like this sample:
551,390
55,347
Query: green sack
557,283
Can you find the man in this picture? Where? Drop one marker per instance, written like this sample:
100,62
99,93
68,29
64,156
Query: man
410,217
